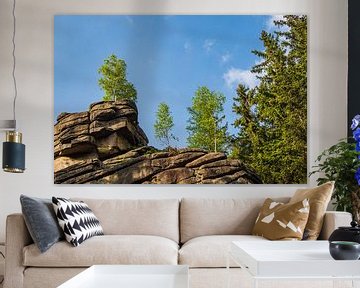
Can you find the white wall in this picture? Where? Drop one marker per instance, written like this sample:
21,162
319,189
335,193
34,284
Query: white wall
327,89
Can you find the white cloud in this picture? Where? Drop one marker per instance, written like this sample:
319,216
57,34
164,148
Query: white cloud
270,26
208,44
225,57
129,19
270,22
235,76
187,46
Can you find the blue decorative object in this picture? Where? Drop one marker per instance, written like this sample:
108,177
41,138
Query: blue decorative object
355,126
355,122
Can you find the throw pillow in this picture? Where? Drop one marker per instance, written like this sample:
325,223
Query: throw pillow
77,220
319,198
279,221
41,222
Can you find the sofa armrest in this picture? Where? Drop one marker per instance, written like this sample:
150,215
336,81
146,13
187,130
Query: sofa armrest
333,220
17,237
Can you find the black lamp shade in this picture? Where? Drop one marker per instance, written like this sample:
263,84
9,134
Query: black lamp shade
13,157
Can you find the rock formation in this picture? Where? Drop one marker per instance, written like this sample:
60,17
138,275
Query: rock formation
106,145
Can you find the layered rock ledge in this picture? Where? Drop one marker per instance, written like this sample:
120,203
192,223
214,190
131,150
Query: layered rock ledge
106,145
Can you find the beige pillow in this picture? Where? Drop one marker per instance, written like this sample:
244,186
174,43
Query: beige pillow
279,221
319,198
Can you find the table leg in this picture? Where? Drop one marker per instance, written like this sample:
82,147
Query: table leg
255,283
228,270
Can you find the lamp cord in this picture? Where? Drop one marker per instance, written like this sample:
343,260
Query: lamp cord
14,60
2,280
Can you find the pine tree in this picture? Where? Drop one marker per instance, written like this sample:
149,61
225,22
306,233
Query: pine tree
273,116
206,129
114,82
163,125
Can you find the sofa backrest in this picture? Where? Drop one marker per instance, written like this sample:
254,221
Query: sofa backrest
159,217
200,217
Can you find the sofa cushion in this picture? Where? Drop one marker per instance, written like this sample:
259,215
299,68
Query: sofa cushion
41,221
158,217
76,220
319,198
279,221
200,217
211,251
107,249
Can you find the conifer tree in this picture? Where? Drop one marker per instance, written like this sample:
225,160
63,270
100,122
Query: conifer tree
272,117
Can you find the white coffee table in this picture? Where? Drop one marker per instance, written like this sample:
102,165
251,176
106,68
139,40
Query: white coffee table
131,276
292,260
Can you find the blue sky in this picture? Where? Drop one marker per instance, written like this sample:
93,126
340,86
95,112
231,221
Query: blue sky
168,58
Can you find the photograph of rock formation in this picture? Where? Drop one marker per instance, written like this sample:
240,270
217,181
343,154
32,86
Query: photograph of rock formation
200,99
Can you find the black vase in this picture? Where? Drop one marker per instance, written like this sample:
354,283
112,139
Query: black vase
351,234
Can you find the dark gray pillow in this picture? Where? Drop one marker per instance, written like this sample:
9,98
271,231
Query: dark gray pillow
41,221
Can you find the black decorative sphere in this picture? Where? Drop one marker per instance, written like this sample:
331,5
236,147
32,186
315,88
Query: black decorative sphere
353,223
344,250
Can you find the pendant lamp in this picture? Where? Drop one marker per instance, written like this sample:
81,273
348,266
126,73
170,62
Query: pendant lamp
13,149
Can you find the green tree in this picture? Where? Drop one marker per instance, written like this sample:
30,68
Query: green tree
242,144
164,124
205,125
113,80
272,117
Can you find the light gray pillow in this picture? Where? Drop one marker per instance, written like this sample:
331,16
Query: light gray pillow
41,221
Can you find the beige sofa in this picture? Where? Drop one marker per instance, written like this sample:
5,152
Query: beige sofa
194,232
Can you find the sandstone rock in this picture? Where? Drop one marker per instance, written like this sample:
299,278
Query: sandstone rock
104,128
128,155
133,174
70,120
112,145
76,169
215,172
83,144
228,179
107,110
176,161
97,175
113,105
252,177
64,162
173,176
220,163
73,132
207,158
107,146
157,155
124,129
185,150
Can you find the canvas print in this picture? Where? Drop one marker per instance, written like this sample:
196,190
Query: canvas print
180,99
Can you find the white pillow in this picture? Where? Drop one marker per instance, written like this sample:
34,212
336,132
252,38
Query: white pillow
76,220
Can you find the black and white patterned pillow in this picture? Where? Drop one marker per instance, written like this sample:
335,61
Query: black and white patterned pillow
77,220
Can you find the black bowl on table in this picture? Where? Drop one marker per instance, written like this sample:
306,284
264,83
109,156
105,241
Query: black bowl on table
344,250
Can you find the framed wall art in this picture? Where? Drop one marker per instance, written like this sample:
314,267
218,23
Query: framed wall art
180,99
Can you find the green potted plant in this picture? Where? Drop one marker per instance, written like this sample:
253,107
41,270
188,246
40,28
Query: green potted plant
341,163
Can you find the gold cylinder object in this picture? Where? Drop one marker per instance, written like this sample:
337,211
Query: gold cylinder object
14,136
